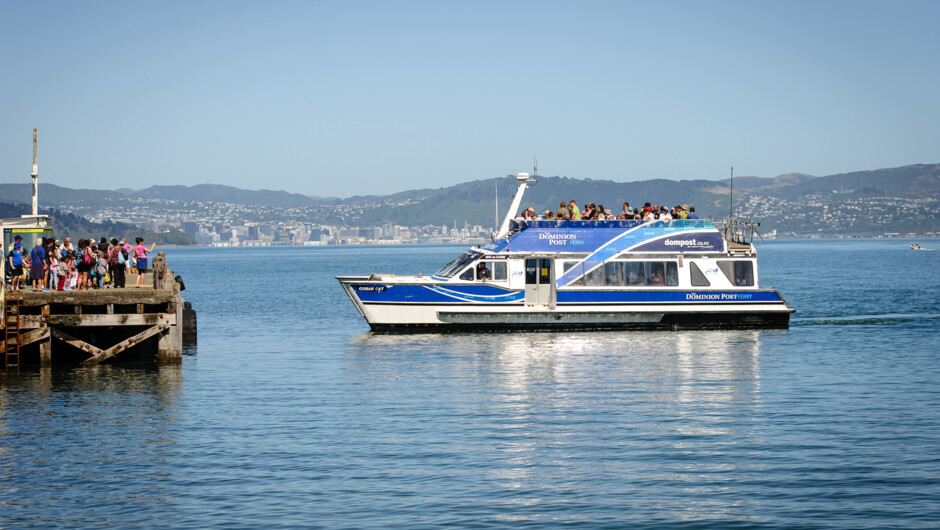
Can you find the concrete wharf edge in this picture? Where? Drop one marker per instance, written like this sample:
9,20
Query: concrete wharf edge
102,323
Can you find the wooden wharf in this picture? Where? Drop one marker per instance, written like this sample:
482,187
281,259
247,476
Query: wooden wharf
97,325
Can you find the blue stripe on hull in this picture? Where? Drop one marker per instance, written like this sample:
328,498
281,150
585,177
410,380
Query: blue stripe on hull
485,294
436,294
586,297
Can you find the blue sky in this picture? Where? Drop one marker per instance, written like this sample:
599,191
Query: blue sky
347,98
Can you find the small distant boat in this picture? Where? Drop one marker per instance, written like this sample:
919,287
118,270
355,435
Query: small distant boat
592,275
916,246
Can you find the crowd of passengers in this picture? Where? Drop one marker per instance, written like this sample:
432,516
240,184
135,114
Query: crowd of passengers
60,266
596,212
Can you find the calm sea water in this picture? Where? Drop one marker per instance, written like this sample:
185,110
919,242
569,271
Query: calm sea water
289,413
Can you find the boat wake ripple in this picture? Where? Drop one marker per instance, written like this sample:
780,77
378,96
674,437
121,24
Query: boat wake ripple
864,320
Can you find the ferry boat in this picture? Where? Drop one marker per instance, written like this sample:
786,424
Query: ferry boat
594,275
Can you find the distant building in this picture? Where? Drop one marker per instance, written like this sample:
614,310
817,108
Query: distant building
191,229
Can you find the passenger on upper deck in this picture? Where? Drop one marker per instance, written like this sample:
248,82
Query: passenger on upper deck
549,215
562,212
692,213
588,213
574,213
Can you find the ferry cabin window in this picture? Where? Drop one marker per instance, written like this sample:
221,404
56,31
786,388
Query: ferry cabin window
568,265
457,265
740,273
497,270
698,277
633,274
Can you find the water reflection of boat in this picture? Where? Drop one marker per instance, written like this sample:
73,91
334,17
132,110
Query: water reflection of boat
614,274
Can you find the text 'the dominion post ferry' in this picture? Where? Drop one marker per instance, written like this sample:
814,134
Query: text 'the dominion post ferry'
593,275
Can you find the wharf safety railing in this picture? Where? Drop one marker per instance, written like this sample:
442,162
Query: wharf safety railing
739,230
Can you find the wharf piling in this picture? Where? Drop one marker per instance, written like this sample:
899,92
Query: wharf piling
97,325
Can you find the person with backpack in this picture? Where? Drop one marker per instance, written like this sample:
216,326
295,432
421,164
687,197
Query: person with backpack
101,269
117,262
84,264
140,256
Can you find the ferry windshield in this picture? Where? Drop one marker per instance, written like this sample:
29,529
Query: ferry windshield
457,264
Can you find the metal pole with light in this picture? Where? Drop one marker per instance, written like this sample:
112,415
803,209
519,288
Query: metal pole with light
35,174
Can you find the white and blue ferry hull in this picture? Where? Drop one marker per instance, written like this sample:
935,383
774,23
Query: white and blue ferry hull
426,306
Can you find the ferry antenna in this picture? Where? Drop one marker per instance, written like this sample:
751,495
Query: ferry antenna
496,217
731,200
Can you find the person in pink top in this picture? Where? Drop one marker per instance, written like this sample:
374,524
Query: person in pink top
140,257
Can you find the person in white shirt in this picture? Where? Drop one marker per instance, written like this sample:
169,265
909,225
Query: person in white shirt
65,247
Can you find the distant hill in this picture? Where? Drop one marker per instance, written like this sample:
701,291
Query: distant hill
914,181
229,194
764,184
50,194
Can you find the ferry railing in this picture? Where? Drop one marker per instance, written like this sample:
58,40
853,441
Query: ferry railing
739,230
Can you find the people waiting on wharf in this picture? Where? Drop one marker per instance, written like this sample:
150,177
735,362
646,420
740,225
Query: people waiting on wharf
51,265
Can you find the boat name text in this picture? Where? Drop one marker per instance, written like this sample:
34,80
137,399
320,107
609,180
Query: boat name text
560,239
719,296
684,243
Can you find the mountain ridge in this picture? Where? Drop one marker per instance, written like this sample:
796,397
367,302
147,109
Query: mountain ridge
476,202
914,180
